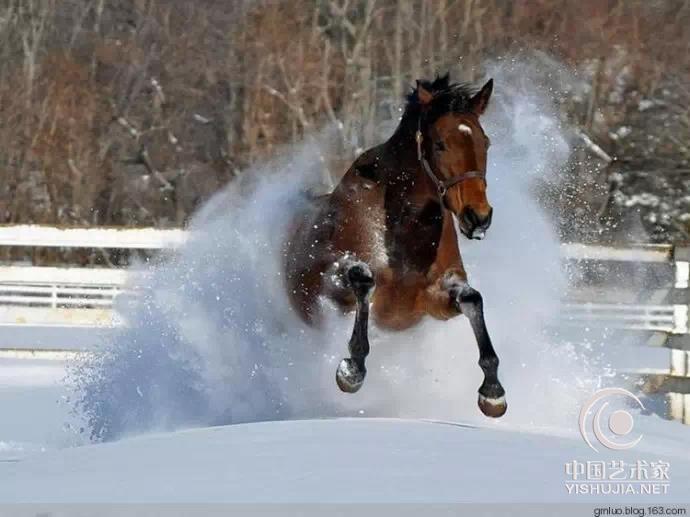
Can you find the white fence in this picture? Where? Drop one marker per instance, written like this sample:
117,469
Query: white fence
672,319
120,238
665,315
71,296
83,297
60,296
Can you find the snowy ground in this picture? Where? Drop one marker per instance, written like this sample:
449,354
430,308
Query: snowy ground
33,414
337,460
341,460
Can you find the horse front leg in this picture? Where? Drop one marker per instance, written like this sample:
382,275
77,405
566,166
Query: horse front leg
452,292
492,396
356,276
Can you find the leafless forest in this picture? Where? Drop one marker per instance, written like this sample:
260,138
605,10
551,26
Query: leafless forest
133,112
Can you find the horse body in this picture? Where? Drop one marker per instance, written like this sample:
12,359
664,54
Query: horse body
385,239
407,241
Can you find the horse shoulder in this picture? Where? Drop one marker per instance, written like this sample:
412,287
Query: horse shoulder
357,205
366,170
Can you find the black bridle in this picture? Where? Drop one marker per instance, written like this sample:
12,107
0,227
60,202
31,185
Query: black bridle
442,185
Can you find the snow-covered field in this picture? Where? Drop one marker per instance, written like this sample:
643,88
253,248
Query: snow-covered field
321,460
338,460
33,413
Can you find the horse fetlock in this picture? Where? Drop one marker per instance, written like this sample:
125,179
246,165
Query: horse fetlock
359,345
489,364
350,375
492,390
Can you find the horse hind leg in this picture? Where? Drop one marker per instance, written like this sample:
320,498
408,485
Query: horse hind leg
356,276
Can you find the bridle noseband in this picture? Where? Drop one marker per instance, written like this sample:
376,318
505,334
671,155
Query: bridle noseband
442,185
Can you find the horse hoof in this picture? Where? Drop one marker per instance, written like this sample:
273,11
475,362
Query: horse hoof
349,376
492,407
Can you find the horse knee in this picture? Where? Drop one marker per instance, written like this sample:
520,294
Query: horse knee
470,296
351,275
467,300
359,277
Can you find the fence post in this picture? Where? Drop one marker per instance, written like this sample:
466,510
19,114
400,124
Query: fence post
679,404
677,401
682,274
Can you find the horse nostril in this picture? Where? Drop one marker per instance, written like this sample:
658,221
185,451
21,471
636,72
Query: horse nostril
470,217
472,221
487,220
482,221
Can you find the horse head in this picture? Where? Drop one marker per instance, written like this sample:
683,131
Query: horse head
452,148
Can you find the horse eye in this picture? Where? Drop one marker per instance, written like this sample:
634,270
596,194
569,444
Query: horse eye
440,146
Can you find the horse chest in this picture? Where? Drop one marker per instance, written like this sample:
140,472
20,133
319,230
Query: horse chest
413,236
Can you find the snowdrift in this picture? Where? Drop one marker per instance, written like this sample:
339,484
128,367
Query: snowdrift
341,460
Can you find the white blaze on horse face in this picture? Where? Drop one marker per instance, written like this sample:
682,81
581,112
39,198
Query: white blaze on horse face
464,128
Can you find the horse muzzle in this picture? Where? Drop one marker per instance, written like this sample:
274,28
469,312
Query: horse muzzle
472,225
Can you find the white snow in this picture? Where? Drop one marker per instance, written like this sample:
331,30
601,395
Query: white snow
341,460
336,460
33,412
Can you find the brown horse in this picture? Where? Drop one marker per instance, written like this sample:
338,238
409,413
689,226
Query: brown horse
386,238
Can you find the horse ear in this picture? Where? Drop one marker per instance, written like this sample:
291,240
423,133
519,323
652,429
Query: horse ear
424,96
480,101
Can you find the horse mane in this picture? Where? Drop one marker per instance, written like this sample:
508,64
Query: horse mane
447,98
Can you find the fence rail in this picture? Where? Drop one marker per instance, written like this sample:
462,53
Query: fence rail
122,238
68,296
63,275
672,319
632,253
84,297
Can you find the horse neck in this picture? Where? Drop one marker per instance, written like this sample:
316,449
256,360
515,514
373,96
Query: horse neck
405,169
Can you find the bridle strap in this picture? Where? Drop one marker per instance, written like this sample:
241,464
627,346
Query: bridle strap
442,185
